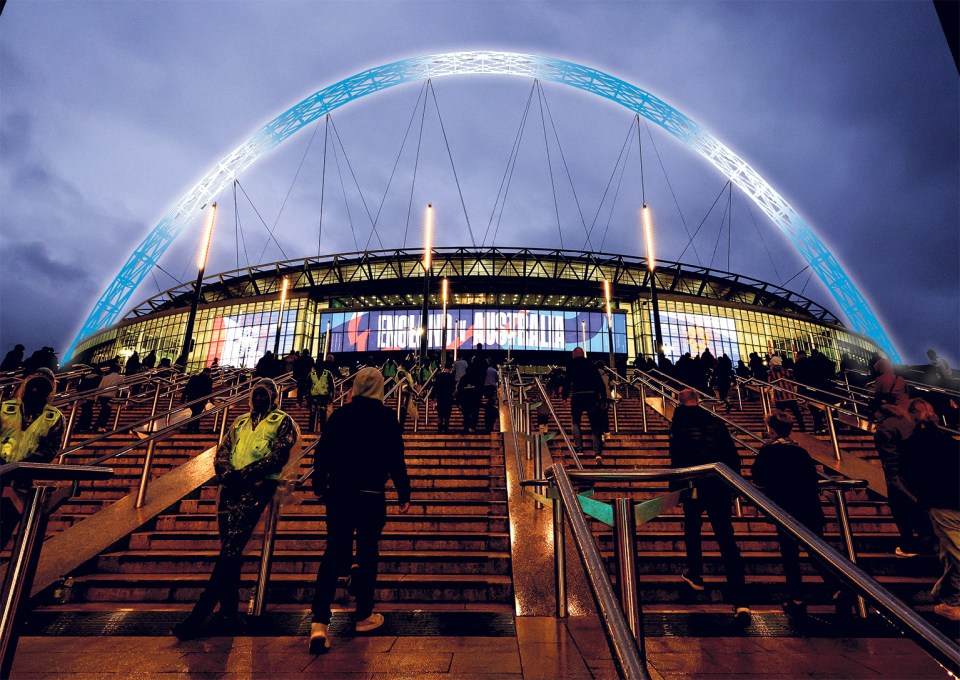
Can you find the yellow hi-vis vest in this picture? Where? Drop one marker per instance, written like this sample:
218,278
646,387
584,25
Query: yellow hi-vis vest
252,444
15,443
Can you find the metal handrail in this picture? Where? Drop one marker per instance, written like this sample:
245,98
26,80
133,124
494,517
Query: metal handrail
508,391
18,580
627,656
806,397
931,640
155,416
556,419
704,396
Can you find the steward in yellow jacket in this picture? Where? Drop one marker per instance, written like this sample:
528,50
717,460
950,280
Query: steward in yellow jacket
248,465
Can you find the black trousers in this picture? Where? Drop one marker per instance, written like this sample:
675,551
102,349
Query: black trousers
717,507
587,402
470,405
790,552
444,409
239,508
353,513
792,406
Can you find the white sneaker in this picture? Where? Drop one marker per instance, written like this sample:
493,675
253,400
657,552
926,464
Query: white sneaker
370,623
319,638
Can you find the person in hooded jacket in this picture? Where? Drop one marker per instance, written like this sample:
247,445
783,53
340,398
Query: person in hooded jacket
359,450
248,465
698,438
13,360
930,470
31,430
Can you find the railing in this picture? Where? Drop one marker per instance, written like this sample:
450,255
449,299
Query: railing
627,650
571,449
22,568
837,486
283,381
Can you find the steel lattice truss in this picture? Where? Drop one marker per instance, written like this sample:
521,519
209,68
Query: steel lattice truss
369,278
851,301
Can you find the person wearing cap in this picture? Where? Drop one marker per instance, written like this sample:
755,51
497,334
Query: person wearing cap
361,447
247,465
31,430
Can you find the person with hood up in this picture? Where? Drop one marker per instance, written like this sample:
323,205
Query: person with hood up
13,360
361,447
930,470
247,465
31,430
894,425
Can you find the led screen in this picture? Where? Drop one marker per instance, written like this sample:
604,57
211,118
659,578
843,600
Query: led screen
241,339
694,333
519,329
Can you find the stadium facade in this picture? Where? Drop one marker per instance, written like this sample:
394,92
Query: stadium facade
539,303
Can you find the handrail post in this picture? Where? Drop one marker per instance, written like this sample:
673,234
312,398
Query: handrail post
525,426
765,405
116,418
223,424
739,396
846,535
19,577
145,474
538,465
625,549
833,432
70,421
559,558
616,420
643,404
259,599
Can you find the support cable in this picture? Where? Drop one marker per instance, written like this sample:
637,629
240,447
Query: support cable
293,183
454,167
416,166
159,289
690,242
346,202
566,167
606,189
238,227
553,184
723,217
673,193
616,195
346,158
809,277
769,254
323,179
393,172
506,171
795,276
262,221
729,224
168,274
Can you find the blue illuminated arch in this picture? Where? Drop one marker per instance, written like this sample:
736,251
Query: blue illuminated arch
853,304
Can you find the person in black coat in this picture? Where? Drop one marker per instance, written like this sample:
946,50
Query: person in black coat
360,448
788,475
444,386
698,438
198,386
930,469
13,360
587,395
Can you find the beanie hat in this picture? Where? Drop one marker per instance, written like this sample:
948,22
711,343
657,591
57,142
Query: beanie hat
368,383
577,352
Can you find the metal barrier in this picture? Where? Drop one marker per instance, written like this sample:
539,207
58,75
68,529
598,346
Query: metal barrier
627,651
22,568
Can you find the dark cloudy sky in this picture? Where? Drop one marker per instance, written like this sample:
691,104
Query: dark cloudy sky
110,111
